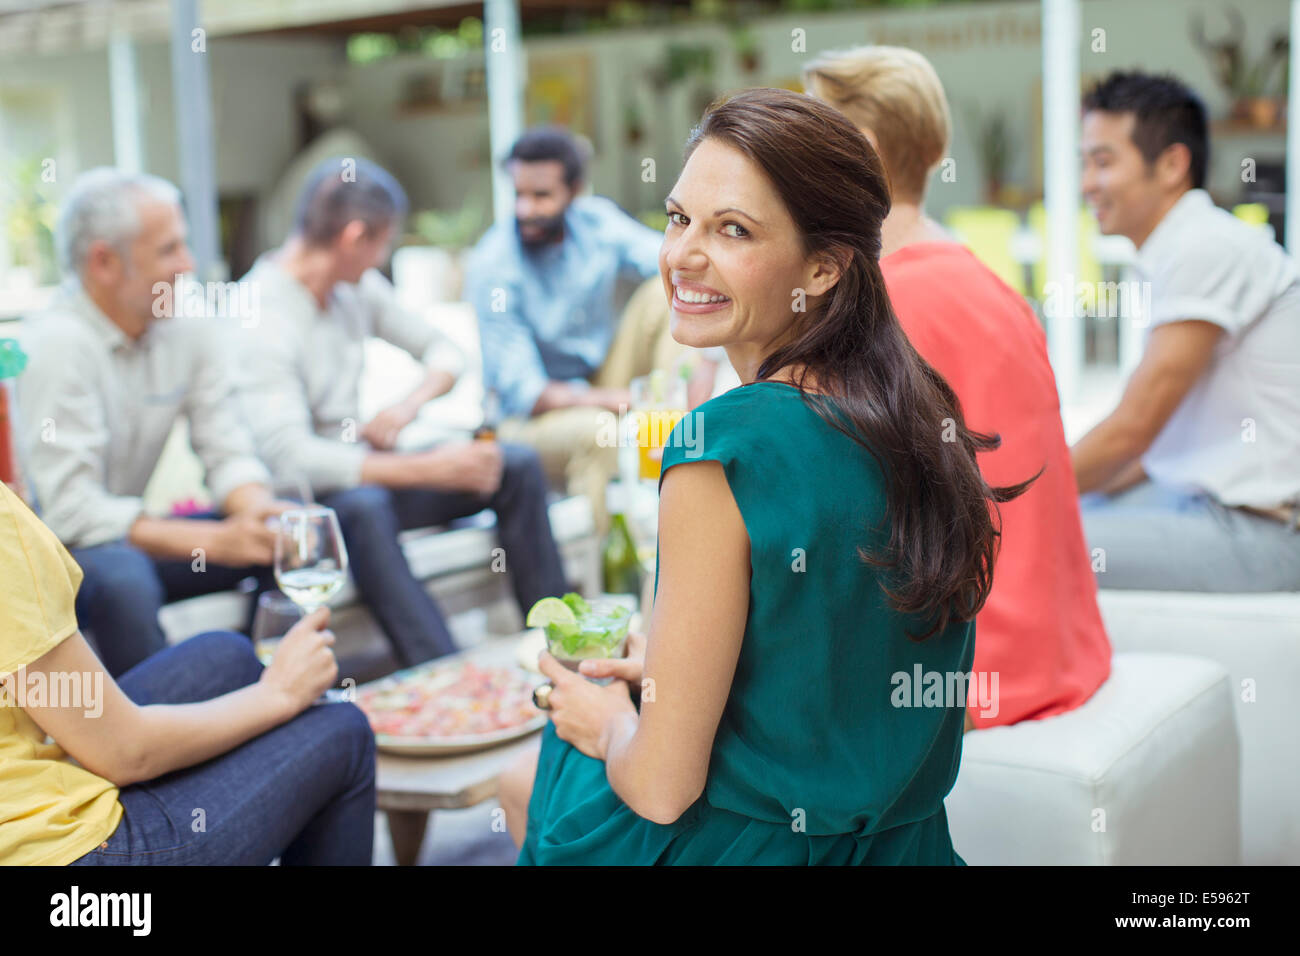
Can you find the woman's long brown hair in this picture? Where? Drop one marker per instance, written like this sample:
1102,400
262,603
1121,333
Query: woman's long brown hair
943,523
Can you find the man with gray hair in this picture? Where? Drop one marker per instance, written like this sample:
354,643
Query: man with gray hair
110,372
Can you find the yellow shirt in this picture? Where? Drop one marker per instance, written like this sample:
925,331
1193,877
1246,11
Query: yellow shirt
51,811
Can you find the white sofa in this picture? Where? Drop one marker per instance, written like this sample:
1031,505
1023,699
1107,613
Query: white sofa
1145,772
1256,639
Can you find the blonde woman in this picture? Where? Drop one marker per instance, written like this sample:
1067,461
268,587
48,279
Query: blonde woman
1040,633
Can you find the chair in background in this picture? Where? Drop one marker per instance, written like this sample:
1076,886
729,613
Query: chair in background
989,232
1255,213
1088,268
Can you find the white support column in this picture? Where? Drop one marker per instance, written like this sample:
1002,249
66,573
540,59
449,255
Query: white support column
1292,224
192,103
503,51
1061,189
124,100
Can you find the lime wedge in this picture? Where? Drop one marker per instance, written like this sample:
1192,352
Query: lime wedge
550,610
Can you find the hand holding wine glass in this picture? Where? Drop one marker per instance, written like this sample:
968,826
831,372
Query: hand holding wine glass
275,615
311,560
304,666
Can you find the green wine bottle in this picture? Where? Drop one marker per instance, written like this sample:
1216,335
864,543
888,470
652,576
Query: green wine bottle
619,559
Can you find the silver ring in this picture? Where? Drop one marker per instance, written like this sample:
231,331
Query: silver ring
542,696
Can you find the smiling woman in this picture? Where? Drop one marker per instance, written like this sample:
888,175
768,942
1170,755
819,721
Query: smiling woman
797,237
828,530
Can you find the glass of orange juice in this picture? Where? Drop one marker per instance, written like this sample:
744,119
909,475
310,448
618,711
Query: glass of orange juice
658,404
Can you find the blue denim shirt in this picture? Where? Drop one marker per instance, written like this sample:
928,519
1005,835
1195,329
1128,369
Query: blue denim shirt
547,314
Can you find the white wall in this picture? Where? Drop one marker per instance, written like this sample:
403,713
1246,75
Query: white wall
252,87
985,52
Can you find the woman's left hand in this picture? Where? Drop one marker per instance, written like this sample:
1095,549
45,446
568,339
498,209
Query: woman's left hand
581,710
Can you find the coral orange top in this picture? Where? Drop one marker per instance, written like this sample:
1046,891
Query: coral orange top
1040,632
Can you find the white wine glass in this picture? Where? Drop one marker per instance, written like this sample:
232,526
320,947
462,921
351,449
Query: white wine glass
311,563
276,614
311,560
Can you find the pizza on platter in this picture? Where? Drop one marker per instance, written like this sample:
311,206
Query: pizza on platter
450,702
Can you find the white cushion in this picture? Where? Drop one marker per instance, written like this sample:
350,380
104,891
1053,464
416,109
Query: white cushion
1256,638
1145,772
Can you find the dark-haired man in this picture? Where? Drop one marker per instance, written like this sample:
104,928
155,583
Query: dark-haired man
1195,472
543,287
321,296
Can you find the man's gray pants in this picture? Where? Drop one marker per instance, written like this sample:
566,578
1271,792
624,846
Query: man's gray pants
1157,538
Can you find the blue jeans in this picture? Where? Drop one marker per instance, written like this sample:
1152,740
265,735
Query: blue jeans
124,589
371,518
304,791
1157,538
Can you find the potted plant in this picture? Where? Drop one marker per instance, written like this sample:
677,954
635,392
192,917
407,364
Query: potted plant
1258,99
746,42
993,143
633,127
683,61
1261,103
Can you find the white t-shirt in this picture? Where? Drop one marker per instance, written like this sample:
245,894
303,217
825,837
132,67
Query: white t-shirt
1236,434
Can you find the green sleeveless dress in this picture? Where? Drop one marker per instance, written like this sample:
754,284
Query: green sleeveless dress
840,736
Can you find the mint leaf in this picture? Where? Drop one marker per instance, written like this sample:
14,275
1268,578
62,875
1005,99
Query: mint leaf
576,604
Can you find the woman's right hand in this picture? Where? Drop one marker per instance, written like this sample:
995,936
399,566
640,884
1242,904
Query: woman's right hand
304,665
630,668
